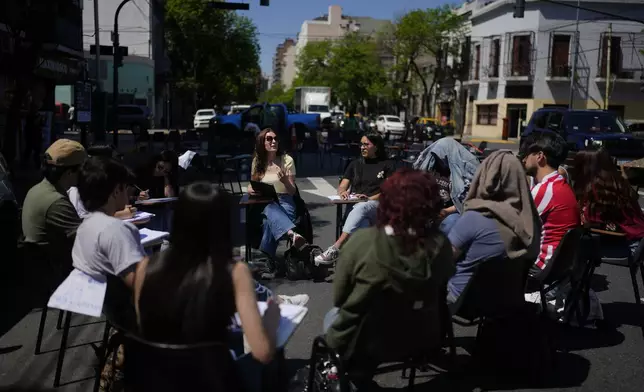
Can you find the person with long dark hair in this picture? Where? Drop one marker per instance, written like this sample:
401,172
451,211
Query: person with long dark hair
190,292
272,166
362,179
606,199
161,177
405,252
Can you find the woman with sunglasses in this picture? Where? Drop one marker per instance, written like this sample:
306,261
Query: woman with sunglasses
272,166
364,176
161,178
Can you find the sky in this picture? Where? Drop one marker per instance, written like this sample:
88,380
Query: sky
283,18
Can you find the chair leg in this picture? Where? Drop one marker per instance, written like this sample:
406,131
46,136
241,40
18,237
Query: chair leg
412,378
63,348
41,329
451,341
544,302
59,322
636,290
103,357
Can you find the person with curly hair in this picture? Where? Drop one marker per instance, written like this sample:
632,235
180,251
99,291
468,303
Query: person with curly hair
405,251
606,199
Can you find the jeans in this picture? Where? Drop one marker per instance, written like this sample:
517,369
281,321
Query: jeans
278,220
362,215
329,318
447,223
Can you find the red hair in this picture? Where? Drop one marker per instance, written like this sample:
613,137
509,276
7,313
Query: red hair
410,203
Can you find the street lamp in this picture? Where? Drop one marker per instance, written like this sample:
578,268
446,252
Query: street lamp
116,63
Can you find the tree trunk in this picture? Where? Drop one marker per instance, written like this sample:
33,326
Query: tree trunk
426,89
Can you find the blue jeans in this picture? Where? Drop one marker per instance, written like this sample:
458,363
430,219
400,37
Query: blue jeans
278,220
329,318
447,223
362,215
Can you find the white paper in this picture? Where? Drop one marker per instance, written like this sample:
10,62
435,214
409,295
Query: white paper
336,197
292,316
140,216
149,237
158,200
80,293
186,158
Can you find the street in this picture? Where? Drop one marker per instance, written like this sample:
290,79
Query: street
596,361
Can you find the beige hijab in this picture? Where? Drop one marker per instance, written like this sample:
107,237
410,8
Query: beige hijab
500,191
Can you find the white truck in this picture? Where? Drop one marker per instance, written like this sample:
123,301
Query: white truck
313,100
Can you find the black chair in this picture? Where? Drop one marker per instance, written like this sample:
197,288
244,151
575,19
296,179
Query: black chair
408,340
622,257
174,137
159,141
159,367
561,270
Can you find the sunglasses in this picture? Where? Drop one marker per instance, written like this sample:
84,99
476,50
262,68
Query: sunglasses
270,139
365,145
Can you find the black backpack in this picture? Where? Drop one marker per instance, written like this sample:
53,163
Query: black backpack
300,264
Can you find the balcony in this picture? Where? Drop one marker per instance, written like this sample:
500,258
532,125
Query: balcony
491,73
518,72
558,73
626,76
472,76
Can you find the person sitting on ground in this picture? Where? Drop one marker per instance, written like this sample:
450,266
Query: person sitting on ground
499,191
606,199
404,252
160,178
98,150
271,166
363,176
189,293
49,219
452,162
555,200
105,246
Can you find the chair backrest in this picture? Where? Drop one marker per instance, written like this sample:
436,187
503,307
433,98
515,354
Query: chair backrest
166,367
158,137
564,258
496,288
400,326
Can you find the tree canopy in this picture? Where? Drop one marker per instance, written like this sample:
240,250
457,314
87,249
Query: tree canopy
214,54
350,66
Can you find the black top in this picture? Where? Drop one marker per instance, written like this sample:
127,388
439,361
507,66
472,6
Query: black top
366,175
444,186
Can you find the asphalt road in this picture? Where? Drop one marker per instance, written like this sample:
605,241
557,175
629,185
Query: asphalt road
596,360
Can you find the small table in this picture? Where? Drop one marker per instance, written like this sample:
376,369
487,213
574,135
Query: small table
246,201
338,213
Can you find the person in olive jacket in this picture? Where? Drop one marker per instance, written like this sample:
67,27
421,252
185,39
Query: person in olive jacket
404,252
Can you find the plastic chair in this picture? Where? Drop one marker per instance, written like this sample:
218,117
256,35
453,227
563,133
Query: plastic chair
632,261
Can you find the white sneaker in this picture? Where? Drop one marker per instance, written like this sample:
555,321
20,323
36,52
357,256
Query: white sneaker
299,300
329,256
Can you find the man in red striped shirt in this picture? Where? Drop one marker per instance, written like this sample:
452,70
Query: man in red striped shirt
555,200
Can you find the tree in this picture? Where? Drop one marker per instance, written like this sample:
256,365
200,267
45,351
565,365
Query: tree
350,66
277,94
422,34
214,53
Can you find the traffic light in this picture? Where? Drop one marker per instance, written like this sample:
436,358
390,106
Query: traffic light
519,8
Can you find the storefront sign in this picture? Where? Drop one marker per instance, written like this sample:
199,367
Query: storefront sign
58,68
83,102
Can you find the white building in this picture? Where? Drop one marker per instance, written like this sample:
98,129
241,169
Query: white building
520,65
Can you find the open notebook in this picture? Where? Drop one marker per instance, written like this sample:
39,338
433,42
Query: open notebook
80,293
292,316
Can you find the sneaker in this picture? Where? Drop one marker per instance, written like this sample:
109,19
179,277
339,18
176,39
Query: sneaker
329,256
299,300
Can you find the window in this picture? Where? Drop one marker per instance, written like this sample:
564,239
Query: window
393,119
595,122
555,120
521,49
560,55
539,119
477,61
615,55
495,58
486,114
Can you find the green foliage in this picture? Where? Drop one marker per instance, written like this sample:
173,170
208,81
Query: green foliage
277,94
214,53
350,66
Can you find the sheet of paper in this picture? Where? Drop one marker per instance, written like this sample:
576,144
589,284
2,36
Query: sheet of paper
139,216
336,197
186,158
292,316
152,236
156,201
80,293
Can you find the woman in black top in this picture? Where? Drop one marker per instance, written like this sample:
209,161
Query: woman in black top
161,177
363,176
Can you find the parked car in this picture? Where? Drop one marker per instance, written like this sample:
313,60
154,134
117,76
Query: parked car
584,128
202,118
391,125
135,118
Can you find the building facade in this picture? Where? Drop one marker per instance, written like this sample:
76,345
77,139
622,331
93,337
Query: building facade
520,65
283,70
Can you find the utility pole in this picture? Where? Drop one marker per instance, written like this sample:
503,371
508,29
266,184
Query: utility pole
573,73
99,132
115,74
610,39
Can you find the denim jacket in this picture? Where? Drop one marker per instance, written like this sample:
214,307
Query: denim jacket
462,166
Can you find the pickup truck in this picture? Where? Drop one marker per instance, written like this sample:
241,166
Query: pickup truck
587,128
289,127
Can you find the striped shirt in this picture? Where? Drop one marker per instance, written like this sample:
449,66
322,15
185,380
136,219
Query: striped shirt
557,207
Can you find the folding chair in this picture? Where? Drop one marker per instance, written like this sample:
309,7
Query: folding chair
622,258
